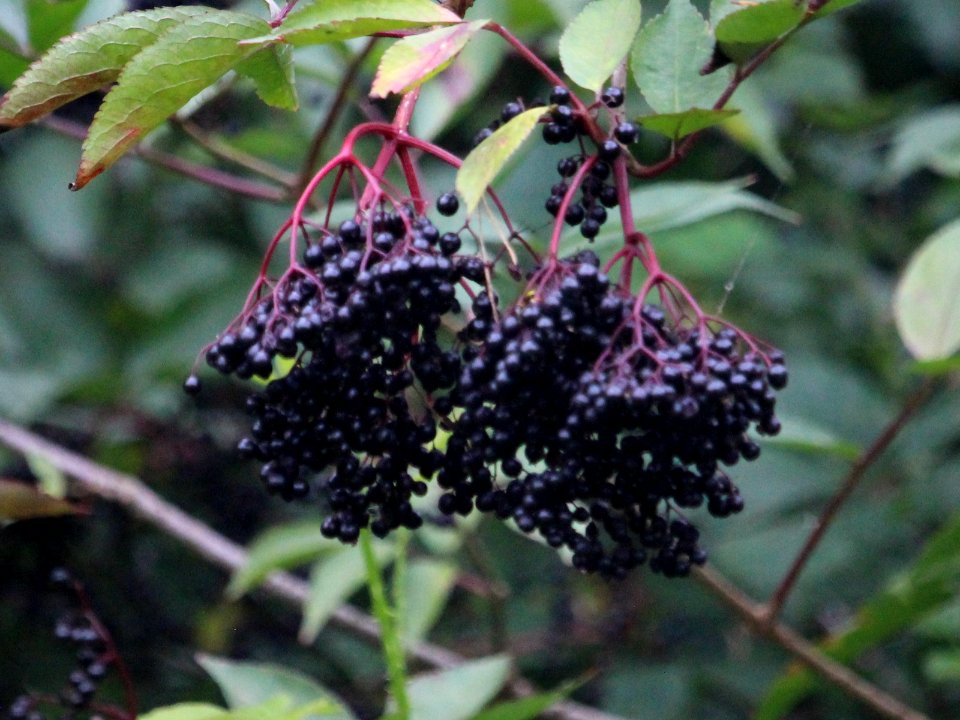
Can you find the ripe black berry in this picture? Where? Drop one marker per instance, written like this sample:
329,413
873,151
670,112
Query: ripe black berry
448,204
589,228
626,132
559,95
609,150
449,243
612,97
510,111
191,386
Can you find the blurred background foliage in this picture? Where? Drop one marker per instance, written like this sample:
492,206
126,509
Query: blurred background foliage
851,134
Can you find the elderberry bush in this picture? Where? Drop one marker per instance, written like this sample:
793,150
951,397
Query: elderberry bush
591,419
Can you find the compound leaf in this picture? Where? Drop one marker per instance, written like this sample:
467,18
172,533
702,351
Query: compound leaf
332,20
927,302
483,163
160,79
86,61
597,40
414,60
667,57
681,124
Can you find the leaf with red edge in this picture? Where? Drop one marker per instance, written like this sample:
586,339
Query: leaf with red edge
414,60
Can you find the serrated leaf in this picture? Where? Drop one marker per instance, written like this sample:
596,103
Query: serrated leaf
681,124
586,59
926,305
162,77
332,581
414,60
19,501
666,60
279,548
930,584
271,70
483,163
333,20
246,684
86,61
427,587
460,693
740,34
528,707
48,22
186,711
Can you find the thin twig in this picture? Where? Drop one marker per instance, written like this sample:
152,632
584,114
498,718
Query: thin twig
806,652
849,484
225,151
132,494
202,173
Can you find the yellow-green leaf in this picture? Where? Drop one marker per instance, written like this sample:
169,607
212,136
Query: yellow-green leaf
481,166
414,60
598,39
680,124
86,61
19,501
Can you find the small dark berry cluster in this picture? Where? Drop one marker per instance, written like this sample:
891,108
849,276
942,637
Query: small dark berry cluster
363,320
94,657
607,419
596,195
507,113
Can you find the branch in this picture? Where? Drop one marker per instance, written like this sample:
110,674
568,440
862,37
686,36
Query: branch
225,151
143,502
849,484
806,652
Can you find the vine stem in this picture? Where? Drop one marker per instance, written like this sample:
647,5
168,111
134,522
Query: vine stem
389,630
859,468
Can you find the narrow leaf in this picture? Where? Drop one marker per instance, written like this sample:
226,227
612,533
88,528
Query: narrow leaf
743,32
927,301
332,581
186,711
86,61
245,684
681,124
460,693
585,58
528,707
755,129
161,78
930,584
332,20
271,70
667,57
804,436
279,548
414,60
19,501
427,588
483,163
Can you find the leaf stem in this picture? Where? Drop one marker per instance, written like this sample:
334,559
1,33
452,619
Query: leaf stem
389,633
859,468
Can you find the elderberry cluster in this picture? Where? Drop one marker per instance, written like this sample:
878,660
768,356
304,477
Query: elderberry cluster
363,319
604,421
93,656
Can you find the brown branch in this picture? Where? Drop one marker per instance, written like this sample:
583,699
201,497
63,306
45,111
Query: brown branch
202,173
143,502
224,151
806,652
849,484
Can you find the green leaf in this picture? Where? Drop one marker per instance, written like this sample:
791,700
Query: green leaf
50,479
161,78
681,124
186,711
926,305
271,70
483,163
755,129
19,501
12,66
332,580
585,60
740,34
86,61
805,436
930,584
460,693
279,548
528,707
667,57
944,366
245,684
929,140
47,22
833,6
942,666
414,60
332,20
427,587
